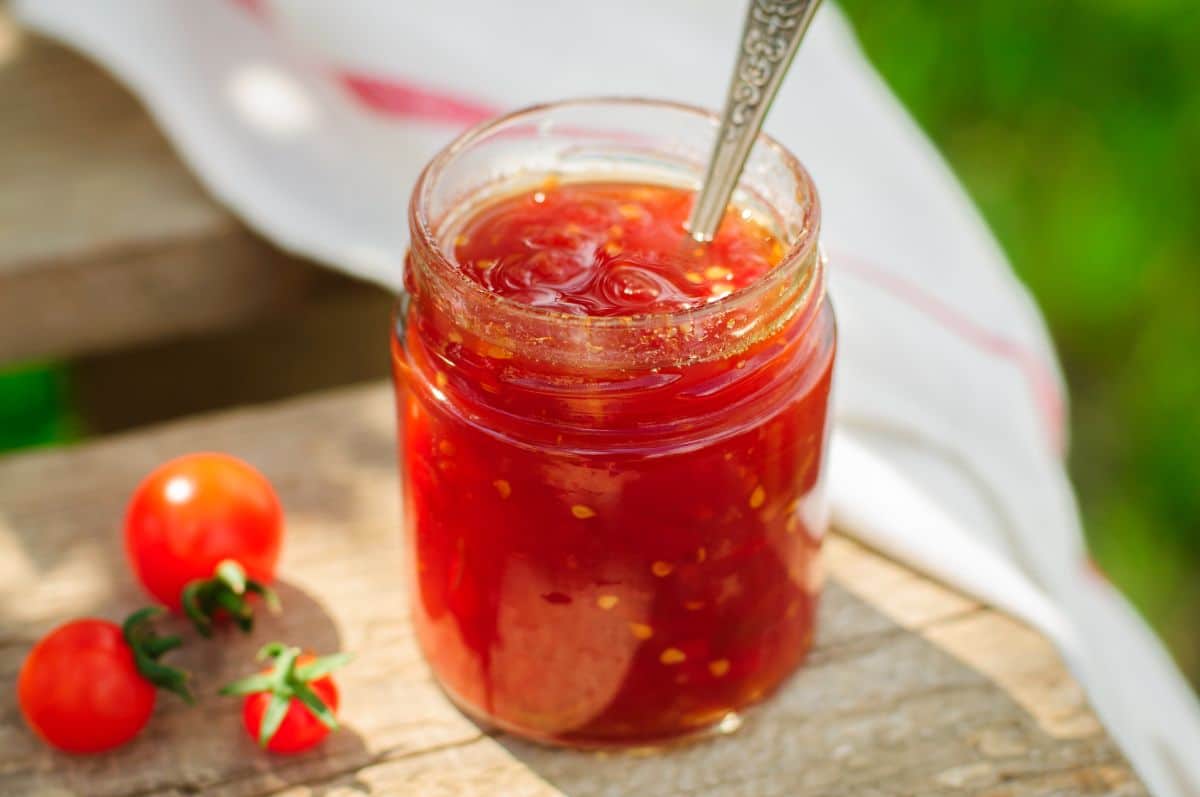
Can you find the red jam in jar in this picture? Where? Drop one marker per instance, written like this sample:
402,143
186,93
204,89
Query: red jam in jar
612,440
609,249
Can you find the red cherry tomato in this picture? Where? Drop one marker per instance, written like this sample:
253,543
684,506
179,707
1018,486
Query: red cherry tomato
300,729
80,689
196,511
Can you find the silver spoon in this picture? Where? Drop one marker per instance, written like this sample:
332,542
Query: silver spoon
770,38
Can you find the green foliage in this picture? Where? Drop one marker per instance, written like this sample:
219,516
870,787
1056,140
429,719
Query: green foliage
34,407
1075,127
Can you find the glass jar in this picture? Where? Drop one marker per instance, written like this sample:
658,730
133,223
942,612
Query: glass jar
613,523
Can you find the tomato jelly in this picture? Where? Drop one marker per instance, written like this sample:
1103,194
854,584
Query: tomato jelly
612,437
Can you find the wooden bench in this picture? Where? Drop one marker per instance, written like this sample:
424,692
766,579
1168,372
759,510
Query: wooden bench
105,241
911,689
113,258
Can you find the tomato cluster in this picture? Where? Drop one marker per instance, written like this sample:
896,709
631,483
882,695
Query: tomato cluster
203,534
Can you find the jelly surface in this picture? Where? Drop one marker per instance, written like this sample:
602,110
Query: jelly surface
583,575
609,249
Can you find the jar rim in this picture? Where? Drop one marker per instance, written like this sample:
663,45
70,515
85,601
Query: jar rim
802,249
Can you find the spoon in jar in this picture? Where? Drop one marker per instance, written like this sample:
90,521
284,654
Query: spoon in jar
771,36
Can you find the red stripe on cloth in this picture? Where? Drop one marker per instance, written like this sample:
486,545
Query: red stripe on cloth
412,101
399,98
256,7
1093,571
1038,374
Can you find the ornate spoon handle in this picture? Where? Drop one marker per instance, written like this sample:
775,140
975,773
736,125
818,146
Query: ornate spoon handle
770,38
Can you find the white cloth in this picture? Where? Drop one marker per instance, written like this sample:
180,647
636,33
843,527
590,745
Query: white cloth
311,119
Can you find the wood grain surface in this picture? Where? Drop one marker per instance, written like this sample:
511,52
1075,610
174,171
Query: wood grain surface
911,689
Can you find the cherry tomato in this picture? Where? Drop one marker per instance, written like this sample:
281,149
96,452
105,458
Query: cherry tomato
80,689
300,728
194,512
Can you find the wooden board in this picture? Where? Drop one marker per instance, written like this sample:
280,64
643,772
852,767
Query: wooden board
911,689
105,239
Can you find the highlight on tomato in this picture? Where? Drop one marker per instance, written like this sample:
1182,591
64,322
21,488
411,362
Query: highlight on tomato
91,685
292,705
203,533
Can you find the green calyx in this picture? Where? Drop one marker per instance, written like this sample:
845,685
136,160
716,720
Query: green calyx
286,680
148,647
226,591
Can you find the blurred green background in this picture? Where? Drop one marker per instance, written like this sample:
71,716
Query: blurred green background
1075,126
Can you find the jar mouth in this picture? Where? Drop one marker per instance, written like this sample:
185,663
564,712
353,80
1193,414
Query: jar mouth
801,249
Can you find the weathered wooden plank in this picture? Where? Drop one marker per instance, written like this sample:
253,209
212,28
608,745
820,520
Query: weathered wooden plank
1022,662
882,708
105,239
